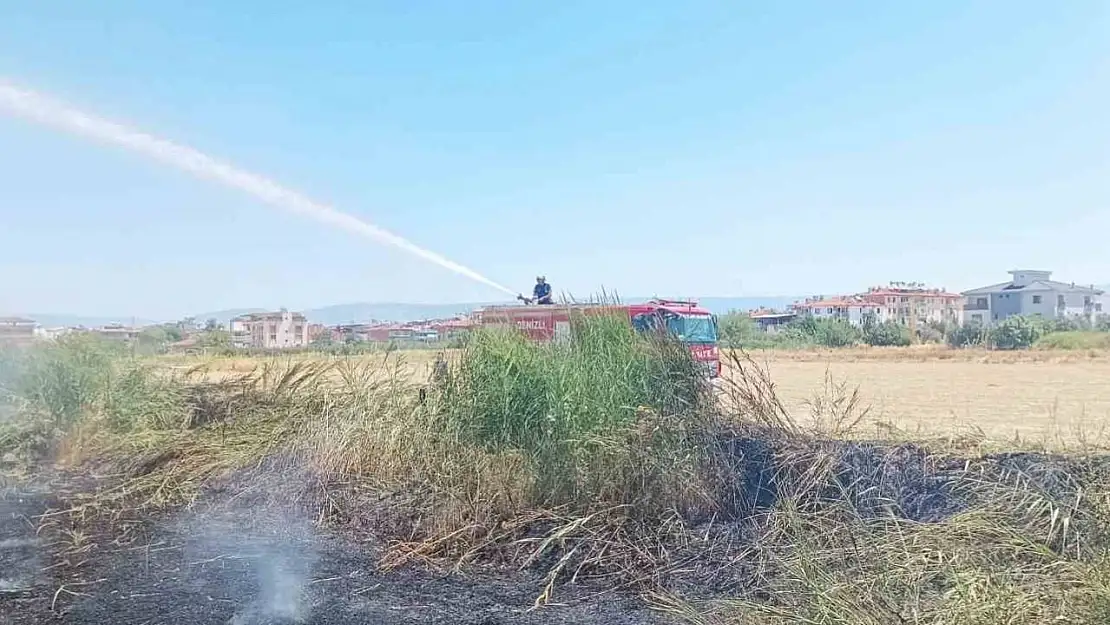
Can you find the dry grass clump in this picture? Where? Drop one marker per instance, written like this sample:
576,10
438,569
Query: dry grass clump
608,417
519,443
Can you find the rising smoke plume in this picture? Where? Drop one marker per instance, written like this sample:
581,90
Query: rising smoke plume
36,107
258,547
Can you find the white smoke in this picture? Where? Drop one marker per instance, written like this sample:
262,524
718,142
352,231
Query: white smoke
39,108
258,546
19,555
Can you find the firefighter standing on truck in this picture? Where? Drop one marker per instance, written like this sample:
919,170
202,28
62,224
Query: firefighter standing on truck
541,293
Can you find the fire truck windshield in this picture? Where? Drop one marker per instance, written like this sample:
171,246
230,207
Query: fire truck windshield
693,328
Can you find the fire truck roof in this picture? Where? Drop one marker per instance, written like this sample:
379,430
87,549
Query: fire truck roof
680,306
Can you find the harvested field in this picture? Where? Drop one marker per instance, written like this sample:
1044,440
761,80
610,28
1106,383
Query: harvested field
1036,397
1049,401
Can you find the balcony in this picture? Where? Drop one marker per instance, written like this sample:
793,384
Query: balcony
977,306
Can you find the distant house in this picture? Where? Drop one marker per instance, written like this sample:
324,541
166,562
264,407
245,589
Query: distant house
270,330
853,309
240,329
352,332
1032,292
318,331
452,328
117,332
17,330
772,320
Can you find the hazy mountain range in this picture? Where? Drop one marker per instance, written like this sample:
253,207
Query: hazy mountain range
59,320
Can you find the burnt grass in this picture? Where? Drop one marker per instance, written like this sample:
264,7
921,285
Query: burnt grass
253,550
250,562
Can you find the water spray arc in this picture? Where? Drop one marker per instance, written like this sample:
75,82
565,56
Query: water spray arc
36,107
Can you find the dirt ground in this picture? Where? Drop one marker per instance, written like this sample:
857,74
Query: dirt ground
242,564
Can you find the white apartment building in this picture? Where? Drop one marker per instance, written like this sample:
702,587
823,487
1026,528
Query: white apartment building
851,309
1032,292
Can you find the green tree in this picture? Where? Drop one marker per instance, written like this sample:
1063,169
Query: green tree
1017,332
214,340
173,332
885,334
152,340
153,334
934,331
824,332
1102,323
968,335
1067,324
737,329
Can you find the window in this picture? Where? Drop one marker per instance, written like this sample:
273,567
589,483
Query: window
693,328
1060,301
829,310
1036,299
981,302
1086,300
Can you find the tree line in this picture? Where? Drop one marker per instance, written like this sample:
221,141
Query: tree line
737,329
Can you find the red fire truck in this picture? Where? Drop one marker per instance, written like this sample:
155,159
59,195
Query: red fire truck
693,325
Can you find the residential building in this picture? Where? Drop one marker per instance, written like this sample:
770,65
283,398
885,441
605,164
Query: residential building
270,330
1032,292
52,334
117,332
353,332
240,330
772,320
851,308
17,330
426,331
912,303
317,331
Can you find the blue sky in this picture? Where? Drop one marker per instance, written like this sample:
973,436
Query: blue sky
699,148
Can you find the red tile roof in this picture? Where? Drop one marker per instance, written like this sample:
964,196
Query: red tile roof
839,302
886,291
765,313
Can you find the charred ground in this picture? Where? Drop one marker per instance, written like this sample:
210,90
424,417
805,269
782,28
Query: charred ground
223,561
